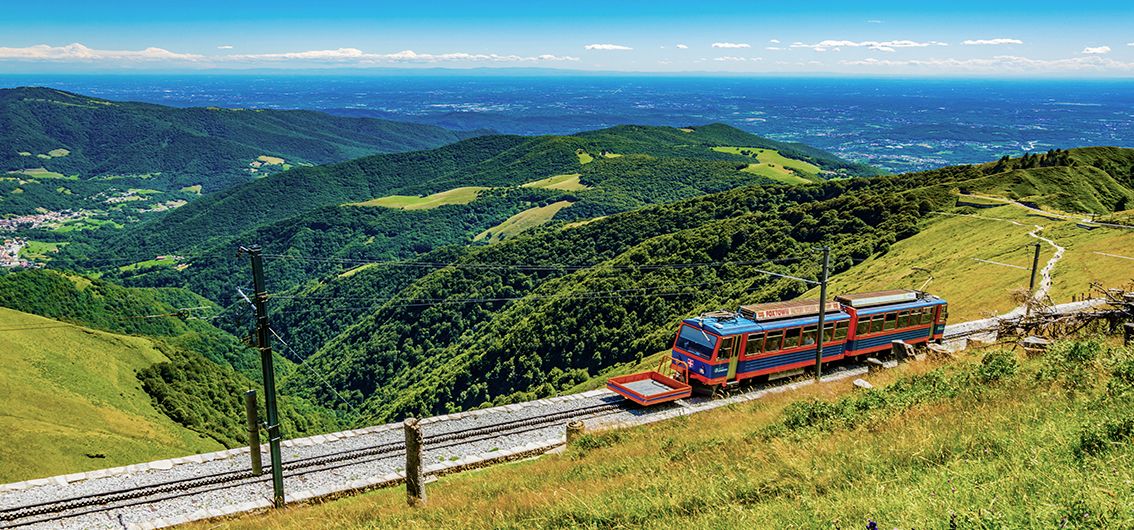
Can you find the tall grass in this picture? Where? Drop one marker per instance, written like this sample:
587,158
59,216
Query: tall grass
992,441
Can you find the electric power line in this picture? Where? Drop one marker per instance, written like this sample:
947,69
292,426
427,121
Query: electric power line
526,267
317,373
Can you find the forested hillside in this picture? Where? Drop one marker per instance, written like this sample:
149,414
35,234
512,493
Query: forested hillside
531,316
88,137
490,161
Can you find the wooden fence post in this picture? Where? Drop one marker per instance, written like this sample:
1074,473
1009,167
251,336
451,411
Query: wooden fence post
253,432
415,478
574,431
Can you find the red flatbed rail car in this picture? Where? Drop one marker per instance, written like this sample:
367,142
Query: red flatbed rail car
649,388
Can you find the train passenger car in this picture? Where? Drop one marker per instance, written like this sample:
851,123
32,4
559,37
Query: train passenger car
762,339
878,318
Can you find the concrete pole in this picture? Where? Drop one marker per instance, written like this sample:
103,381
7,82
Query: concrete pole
253,432
415,477
822,313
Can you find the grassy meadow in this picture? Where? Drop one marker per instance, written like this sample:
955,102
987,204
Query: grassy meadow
988,440
71,401
950,245
525,220
568,182
775,166
463,195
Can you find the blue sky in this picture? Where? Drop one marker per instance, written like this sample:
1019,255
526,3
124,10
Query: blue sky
958,37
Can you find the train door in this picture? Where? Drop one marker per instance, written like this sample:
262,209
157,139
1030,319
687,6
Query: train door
730,351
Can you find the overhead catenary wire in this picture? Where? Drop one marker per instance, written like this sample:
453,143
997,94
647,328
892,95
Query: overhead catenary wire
317,373
394,303
526,266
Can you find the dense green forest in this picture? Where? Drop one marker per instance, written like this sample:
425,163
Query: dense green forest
89,137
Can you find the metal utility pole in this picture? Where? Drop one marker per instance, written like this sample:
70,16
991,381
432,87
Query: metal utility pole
260,301
822,312
1035,269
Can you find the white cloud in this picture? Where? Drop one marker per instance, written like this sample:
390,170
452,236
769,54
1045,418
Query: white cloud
731,45
774,41
79,52
882,46
729,58
224,47
991,42
607,47
356,55
773,48
1130,43
1004,64
682,47
873,21
1097,50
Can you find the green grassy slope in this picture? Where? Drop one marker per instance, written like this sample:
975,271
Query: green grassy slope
120,138
990,440
72,401
201,379
949,246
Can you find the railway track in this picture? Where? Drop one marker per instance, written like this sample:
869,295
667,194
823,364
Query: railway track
59,510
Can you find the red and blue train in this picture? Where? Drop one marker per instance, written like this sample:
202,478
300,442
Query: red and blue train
780,338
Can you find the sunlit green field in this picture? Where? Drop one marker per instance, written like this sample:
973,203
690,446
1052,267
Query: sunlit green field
70,401
525,220
463,195
40,250
949,246
569,182
775,166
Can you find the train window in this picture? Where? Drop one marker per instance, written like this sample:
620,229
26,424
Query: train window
863,325
903,319
755,344
772,343
828,332
791,338
927,315
891,320
809,335
725,353
841,330
944,314
696,341
876,323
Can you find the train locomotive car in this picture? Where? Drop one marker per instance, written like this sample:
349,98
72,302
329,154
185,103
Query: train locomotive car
881,317
780,338
762,339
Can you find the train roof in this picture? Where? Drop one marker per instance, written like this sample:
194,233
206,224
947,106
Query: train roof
924,300
794,313
892,296
736,324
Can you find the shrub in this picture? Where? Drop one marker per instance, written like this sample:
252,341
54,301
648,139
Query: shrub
996,366
1098,438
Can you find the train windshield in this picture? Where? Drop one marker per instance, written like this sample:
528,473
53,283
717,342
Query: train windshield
695,341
